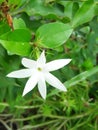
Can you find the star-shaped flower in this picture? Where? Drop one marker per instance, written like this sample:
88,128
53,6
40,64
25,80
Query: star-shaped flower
39,72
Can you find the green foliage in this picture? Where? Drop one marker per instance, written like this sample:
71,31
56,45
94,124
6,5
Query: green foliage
15,42
53,35
81,77
84,14
42,8
65,29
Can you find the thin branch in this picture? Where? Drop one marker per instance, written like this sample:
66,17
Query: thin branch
5,125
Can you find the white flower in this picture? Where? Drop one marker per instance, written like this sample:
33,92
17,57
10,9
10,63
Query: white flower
38,71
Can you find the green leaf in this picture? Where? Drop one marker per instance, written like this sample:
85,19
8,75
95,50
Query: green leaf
84,14
53,35
68,5
18,23
38,7
17,42
19,48
75,8
84,75
4,28
21,35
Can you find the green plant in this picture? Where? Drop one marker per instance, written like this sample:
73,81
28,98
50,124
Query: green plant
65,29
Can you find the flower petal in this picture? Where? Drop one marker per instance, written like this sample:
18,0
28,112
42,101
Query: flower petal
42,58
53,81
56,64
42,87
28,63
31,83
23,73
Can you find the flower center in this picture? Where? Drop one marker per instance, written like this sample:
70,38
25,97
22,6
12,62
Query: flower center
39,69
